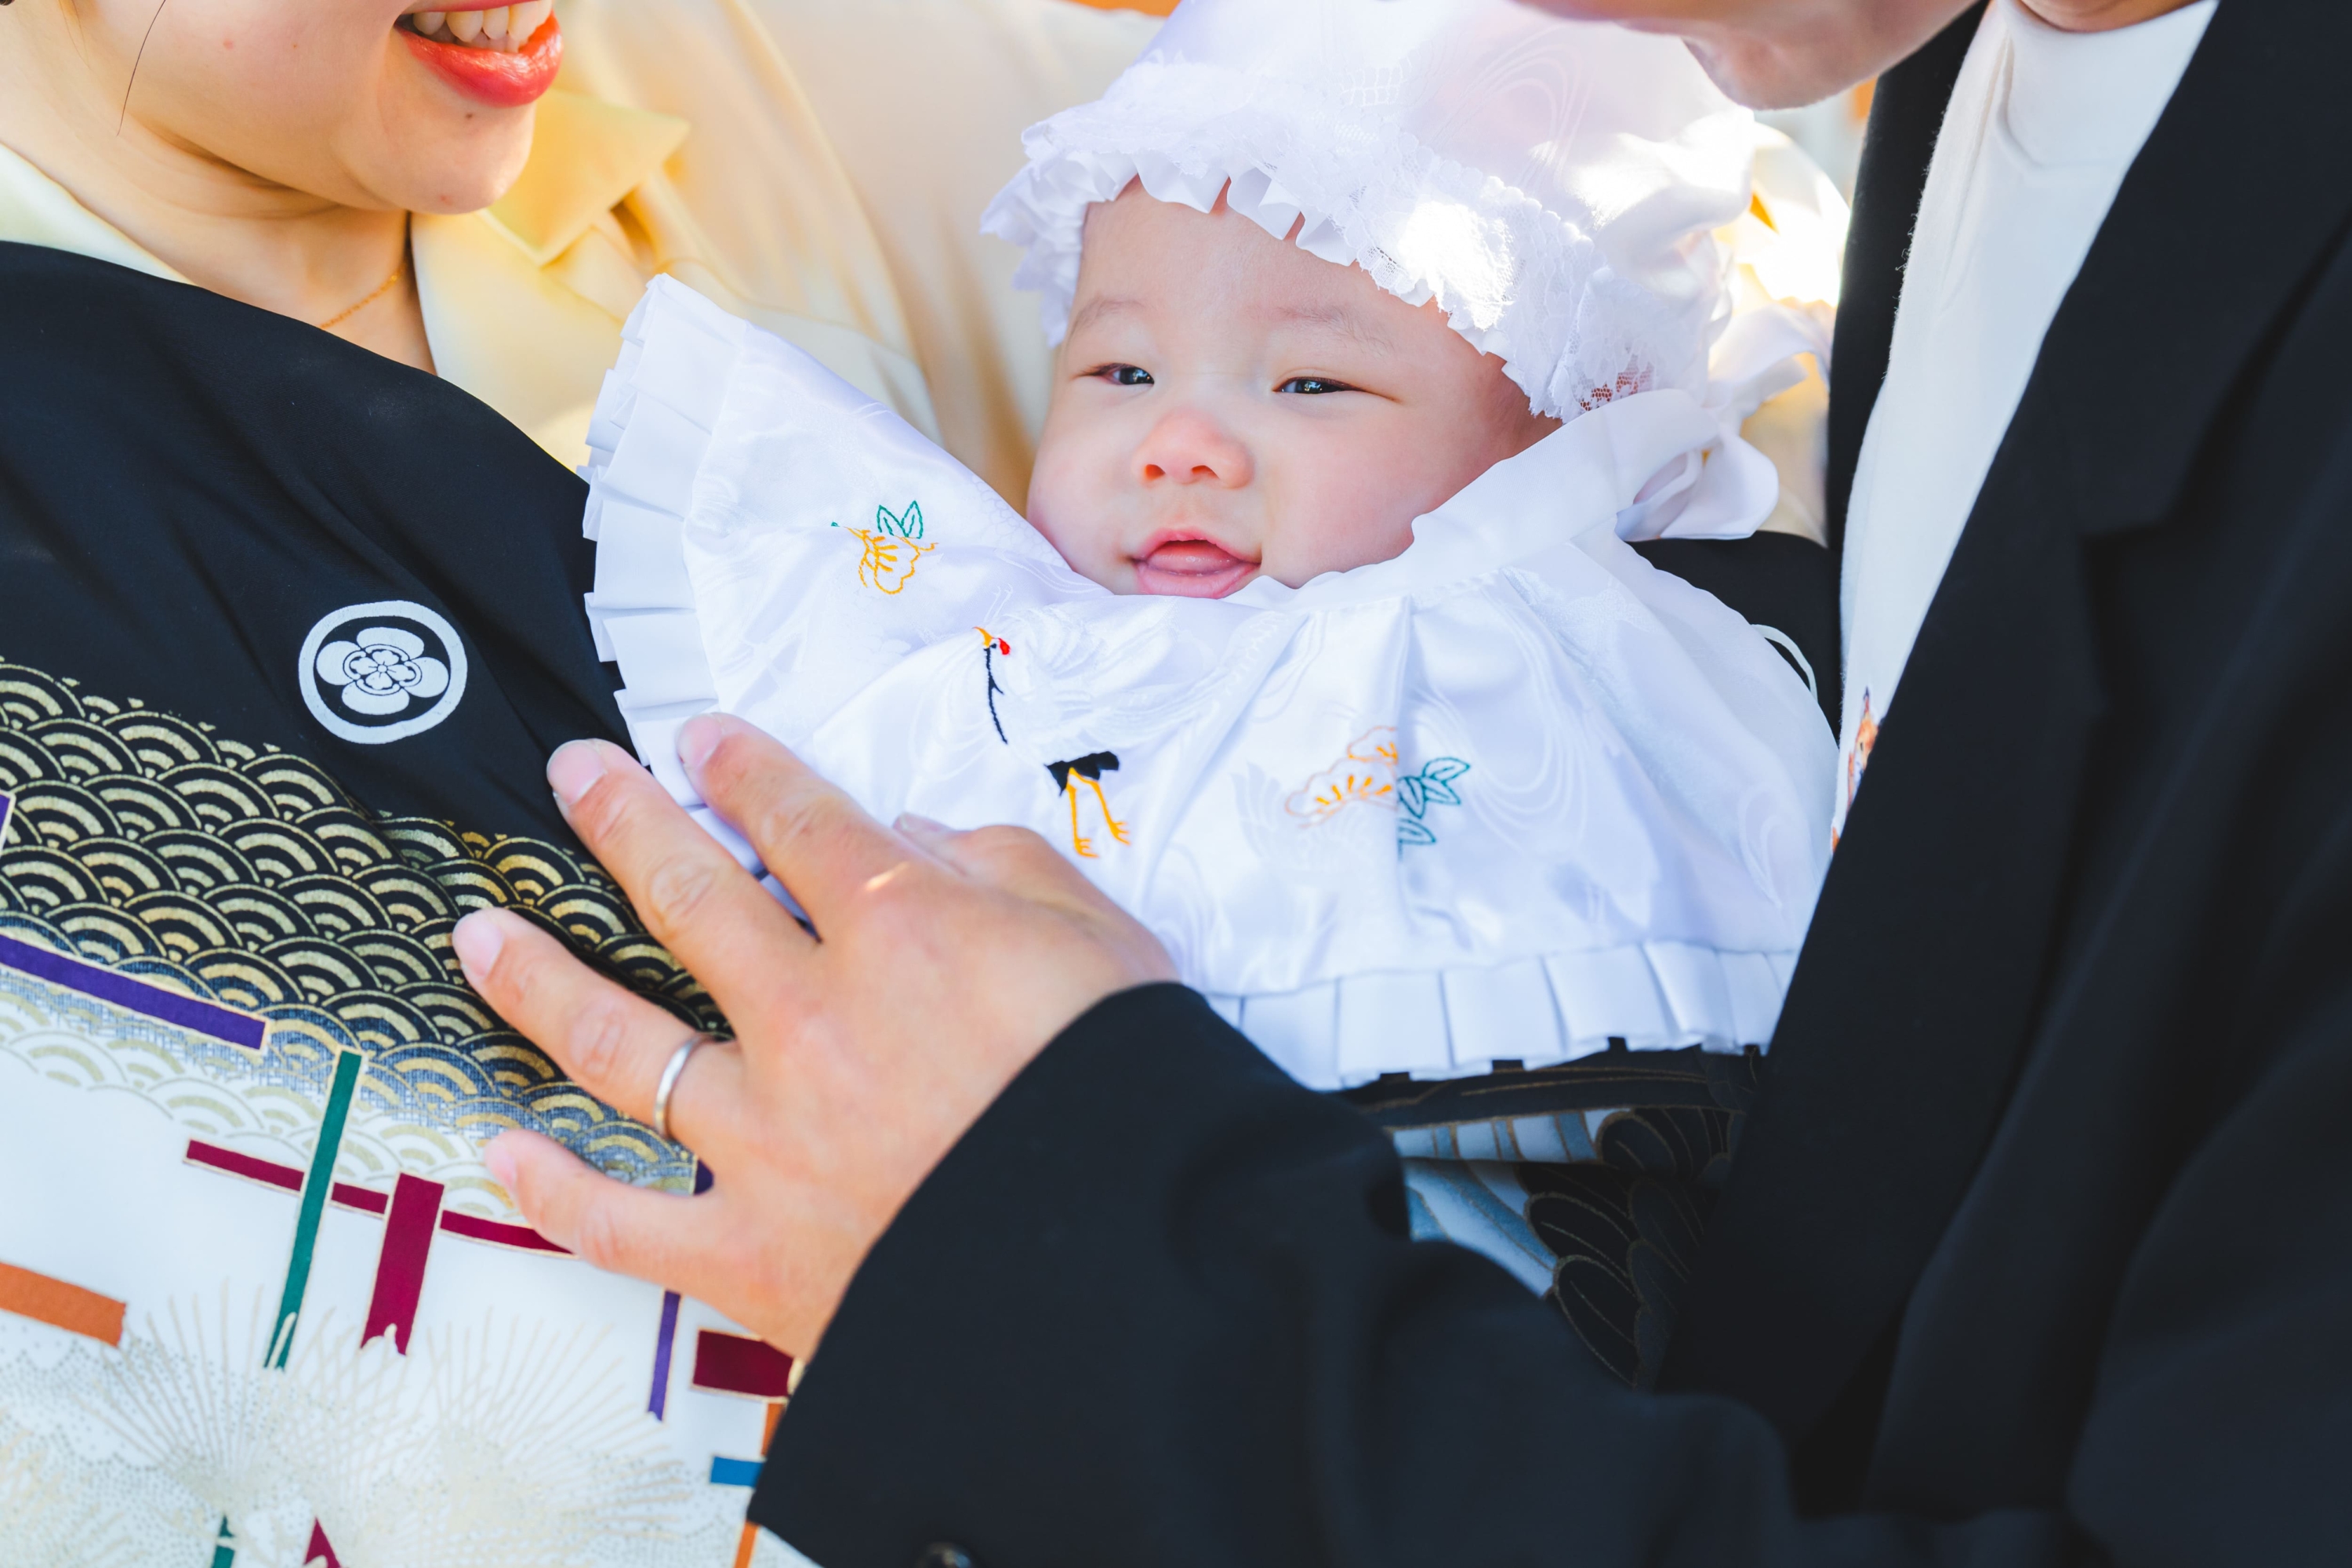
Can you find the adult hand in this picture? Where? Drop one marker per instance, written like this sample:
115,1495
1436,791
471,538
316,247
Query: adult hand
947,960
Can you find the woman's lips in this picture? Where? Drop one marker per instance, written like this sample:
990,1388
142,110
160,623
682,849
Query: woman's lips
494,77
1191,569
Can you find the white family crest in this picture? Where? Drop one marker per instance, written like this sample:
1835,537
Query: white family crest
377,673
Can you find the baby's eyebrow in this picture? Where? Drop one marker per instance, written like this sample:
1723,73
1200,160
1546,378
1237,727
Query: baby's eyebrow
1100,308
1339,319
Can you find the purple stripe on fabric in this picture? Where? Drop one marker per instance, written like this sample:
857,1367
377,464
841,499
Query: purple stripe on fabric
400,1266
665,1345
497,1234
7,808
209,1019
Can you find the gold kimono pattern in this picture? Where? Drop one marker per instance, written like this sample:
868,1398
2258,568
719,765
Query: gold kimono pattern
157,848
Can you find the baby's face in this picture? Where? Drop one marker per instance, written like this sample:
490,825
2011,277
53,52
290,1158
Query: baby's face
1227,406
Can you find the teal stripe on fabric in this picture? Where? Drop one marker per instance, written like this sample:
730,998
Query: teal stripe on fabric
225,1551
315,1189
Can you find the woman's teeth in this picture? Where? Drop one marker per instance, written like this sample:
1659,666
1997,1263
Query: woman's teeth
506,28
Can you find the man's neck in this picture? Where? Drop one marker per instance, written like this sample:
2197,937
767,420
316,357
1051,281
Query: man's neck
2100,16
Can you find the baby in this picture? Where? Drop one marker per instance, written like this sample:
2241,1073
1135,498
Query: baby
1227,406
1383,325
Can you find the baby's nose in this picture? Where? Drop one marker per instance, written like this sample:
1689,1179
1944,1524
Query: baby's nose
1190,447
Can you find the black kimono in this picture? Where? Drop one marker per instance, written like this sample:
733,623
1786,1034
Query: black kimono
287,632
199,501
2037,1249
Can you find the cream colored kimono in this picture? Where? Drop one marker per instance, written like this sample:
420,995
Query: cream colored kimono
817,166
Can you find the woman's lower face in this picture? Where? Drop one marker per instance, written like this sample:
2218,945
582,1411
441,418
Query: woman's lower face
359,102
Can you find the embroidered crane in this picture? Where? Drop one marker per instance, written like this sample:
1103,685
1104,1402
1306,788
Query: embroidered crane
892,548
990,646
1091,770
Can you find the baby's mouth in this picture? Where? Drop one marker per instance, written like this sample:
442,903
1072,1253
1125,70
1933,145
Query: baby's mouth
1191,569
504,55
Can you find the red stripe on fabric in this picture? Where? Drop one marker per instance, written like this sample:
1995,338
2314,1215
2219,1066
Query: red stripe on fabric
400,1266
267,1172
498,1234
360,1198
737,1363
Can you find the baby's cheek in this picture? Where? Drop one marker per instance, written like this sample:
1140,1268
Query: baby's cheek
1349,504
1075,517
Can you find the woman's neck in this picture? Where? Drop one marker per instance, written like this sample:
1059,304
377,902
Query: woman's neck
214,223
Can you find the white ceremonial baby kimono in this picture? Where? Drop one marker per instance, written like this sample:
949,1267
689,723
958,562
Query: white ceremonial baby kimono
1504,798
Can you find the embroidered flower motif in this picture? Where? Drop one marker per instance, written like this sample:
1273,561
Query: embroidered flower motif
1371,774
1366,774
381,669
892,548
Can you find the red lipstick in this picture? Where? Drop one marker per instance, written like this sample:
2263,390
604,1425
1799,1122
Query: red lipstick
488,75
1192,568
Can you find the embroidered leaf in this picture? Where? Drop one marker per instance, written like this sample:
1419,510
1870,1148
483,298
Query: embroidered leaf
907,526
1411,830
1439,794
1445,770
1413,793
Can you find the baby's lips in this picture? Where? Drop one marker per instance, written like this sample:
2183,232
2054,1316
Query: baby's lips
1192,569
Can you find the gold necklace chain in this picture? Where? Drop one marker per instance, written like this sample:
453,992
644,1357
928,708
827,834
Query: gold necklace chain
398,272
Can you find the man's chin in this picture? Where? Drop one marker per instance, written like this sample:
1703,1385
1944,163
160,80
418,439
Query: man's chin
1762,75
1779,53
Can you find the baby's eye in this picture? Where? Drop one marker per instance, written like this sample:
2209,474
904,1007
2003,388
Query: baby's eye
1123,374
1313,385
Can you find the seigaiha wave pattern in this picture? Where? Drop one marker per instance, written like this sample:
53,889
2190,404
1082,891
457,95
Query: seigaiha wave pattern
157,848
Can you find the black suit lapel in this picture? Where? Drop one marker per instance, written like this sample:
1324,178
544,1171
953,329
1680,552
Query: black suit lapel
1916,993
1905,113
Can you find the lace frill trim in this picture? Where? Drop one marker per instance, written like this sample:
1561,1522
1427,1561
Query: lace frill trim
654,418
653,428
1514,279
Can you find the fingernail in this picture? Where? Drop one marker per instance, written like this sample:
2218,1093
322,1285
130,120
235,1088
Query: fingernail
574,769
478,939
501,1162
697,738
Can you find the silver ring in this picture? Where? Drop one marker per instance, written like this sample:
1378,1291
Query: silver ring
670,1075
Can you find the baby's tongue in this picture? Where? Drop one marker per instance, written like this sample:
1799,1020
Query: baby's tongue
1193,569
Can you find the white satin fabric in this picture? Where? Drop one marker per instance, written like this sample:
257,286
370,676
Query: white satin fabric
1504,797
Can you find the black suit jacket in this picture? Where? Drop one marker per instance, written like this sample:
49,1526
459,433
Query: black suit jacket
2037,1248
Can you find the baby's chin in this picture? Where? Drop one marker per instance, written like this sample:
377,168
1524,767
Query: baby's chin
1191,569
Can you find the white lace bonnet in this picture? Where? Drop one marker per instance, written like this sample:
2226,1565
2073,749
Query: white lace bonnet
1554,185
